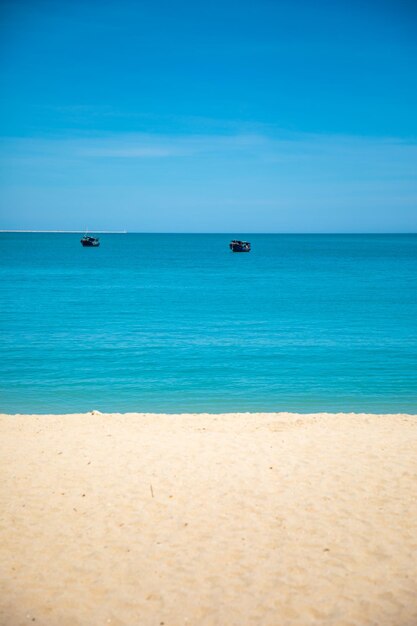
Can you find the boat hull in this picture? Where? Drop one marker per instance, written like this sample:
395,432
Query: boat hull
239,246
90,242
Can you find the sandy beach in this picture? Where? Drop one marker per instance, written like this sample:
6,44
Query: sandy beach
202,520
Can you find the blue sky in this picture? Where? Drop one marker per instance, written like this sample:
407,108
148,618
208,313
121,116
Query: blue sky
241,117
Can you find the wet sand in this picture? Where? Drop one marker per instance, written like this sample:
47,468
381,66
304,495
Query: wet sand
203,520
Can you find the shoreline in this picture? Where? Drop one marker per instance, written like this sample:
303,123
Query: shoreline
208,519
214,414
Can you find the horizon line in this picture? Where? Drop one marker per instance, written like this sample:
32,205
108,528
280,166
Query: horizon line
143,232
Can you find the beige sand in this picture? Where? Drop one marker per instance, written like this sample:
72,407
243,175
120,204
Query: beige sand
228,520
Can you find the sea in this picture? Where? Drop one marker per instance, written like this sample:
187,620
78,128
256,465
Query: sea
178,323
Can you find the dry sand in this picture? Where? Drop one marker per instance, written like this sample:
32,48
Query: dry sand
228,520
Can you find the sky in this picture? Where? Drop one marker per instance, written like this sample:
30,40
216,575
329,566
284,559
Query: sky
221,116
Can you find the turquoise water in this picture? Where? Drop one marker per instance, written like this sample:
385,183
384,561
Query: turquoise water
178,323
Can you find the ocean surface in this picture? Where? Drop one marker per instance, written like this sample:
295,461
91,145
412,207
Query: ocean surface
178,323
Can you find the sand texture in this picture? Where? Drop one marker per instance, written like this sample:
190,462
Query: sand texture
203,520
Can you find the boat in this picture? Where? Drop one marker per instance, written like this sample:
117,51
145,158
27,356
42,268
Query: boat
90,242
239,246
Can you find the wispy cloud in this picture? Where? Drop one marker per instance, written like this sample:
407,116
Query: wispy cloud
130,146
147,146
261,181
320,164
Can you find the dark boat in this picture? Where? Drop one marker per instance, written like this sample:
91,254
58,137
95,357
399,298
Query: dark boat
239,246
90,242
